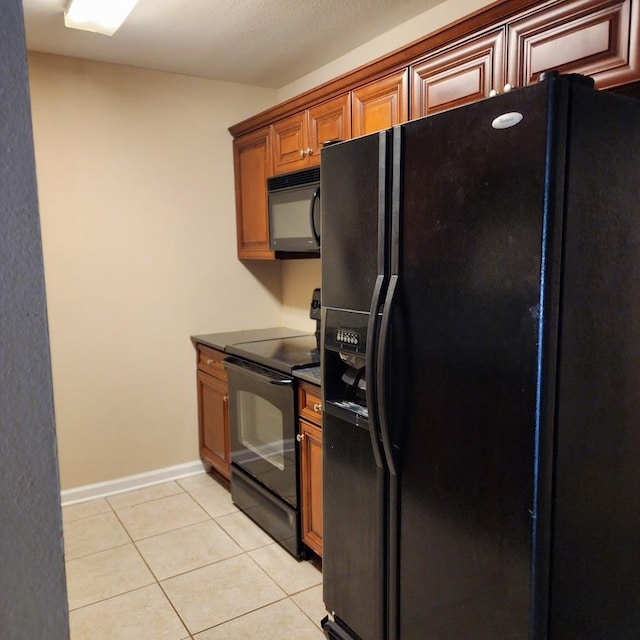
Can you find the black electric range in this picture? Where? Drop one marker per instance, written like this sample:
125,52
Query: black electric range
281,354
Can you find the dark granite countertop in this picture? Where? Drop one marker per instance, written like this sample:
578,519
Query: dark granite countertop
227,338
308,374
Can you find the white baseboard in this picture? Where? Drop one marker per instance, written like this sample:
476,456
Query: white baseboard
128,483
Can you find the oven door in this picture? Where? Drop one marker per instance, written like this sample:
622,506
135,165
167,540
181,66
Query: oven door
262,426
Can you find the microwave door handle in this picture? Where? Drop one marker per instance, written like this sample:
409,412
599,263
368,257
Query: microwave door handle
314,198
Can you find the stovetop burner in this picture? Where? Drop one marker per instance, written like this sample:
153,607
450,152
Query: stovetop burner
281,354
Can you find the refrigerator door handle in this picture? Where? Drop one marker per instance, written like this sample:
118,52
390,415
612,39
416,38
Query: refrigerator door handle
371,373
381,379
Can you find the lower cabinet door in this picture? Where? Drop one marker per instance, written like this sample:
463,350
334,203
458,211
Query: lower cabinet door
213,422
310,438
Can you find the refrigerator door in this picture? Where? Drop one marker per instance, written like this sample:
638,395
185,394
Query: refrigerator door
354,199
352,183
464,365
353,528
596,541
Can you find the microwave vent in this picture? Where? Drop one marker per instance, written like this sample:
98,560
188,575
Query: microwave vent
294,179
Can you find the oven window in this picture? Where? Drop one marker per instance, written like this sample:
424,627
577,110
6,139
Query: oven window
261,427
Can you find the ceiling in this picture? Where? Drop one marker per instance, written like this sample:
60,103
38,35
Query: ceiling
266,43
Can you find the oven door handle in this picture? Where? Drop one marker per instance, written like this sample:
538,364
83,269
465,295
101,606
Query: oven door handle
282,382
257,372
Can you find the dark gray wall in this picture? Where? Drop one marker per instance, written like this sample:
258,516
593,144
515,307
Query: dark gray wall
33,597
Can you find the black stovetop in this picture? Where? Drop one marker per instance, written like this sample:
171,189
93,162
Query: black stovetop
282,354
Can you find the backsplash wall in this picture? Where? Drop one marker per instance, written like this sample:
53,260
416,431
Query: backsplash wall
299,279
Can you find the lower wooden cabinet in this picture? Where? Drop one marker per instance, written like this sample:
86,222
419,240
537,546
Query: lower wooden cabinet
213,413
310,450
311,485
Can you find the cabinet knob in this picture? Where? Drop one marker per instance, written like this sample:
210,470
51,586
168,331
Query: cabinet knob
309,152
317,407
209,362
493,93
300,437
507,88
303,153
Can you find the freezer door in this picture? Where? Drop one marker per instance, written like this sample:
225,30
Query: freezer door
463,367
353,176
353,527
355,180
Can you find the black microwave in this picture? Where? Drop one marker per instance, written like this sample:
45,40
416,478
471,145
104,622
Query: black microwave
294,211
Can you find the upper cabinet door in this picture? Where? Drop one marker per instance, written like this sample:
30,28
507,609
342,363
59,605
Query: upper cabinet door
593,37
330,120
459,74
252,164
289,143
380,104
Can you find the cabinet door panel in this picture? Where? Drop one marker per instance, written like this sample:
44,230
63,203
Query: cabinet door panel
330,120
211,361
213,422
289,143
252,164
599,39
310,402
458,75
380,104
311,485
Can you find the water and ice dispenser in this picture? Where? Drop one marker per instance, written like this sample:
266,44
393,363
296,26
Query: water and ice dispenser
345,344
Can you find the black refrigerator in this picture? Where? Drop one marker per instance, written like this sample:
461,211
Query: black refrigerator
481,372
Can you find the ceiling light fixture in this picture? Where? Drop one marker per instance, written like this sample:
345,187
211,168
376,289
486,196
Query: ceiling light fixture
100,16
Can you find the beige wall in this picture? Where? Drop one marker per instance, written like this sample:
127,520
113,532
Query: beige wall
135,180
299,279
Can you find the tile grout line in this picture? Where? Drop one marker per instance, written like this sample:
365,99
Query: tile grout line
317,624
156,580
246,613
289,596
164,593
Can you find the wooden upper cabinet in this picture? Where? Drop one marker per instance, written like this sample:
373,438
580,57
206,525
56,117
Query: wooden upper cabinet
459,74
289,143
297,140
252,166
380,104
592,37
330,120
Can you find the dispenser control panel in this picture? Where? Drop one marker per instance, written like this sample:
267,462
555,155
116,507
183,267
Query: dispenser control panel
348,336
346,331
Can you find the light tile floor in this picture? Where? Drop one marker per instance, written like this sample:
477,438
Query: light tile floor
178,561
